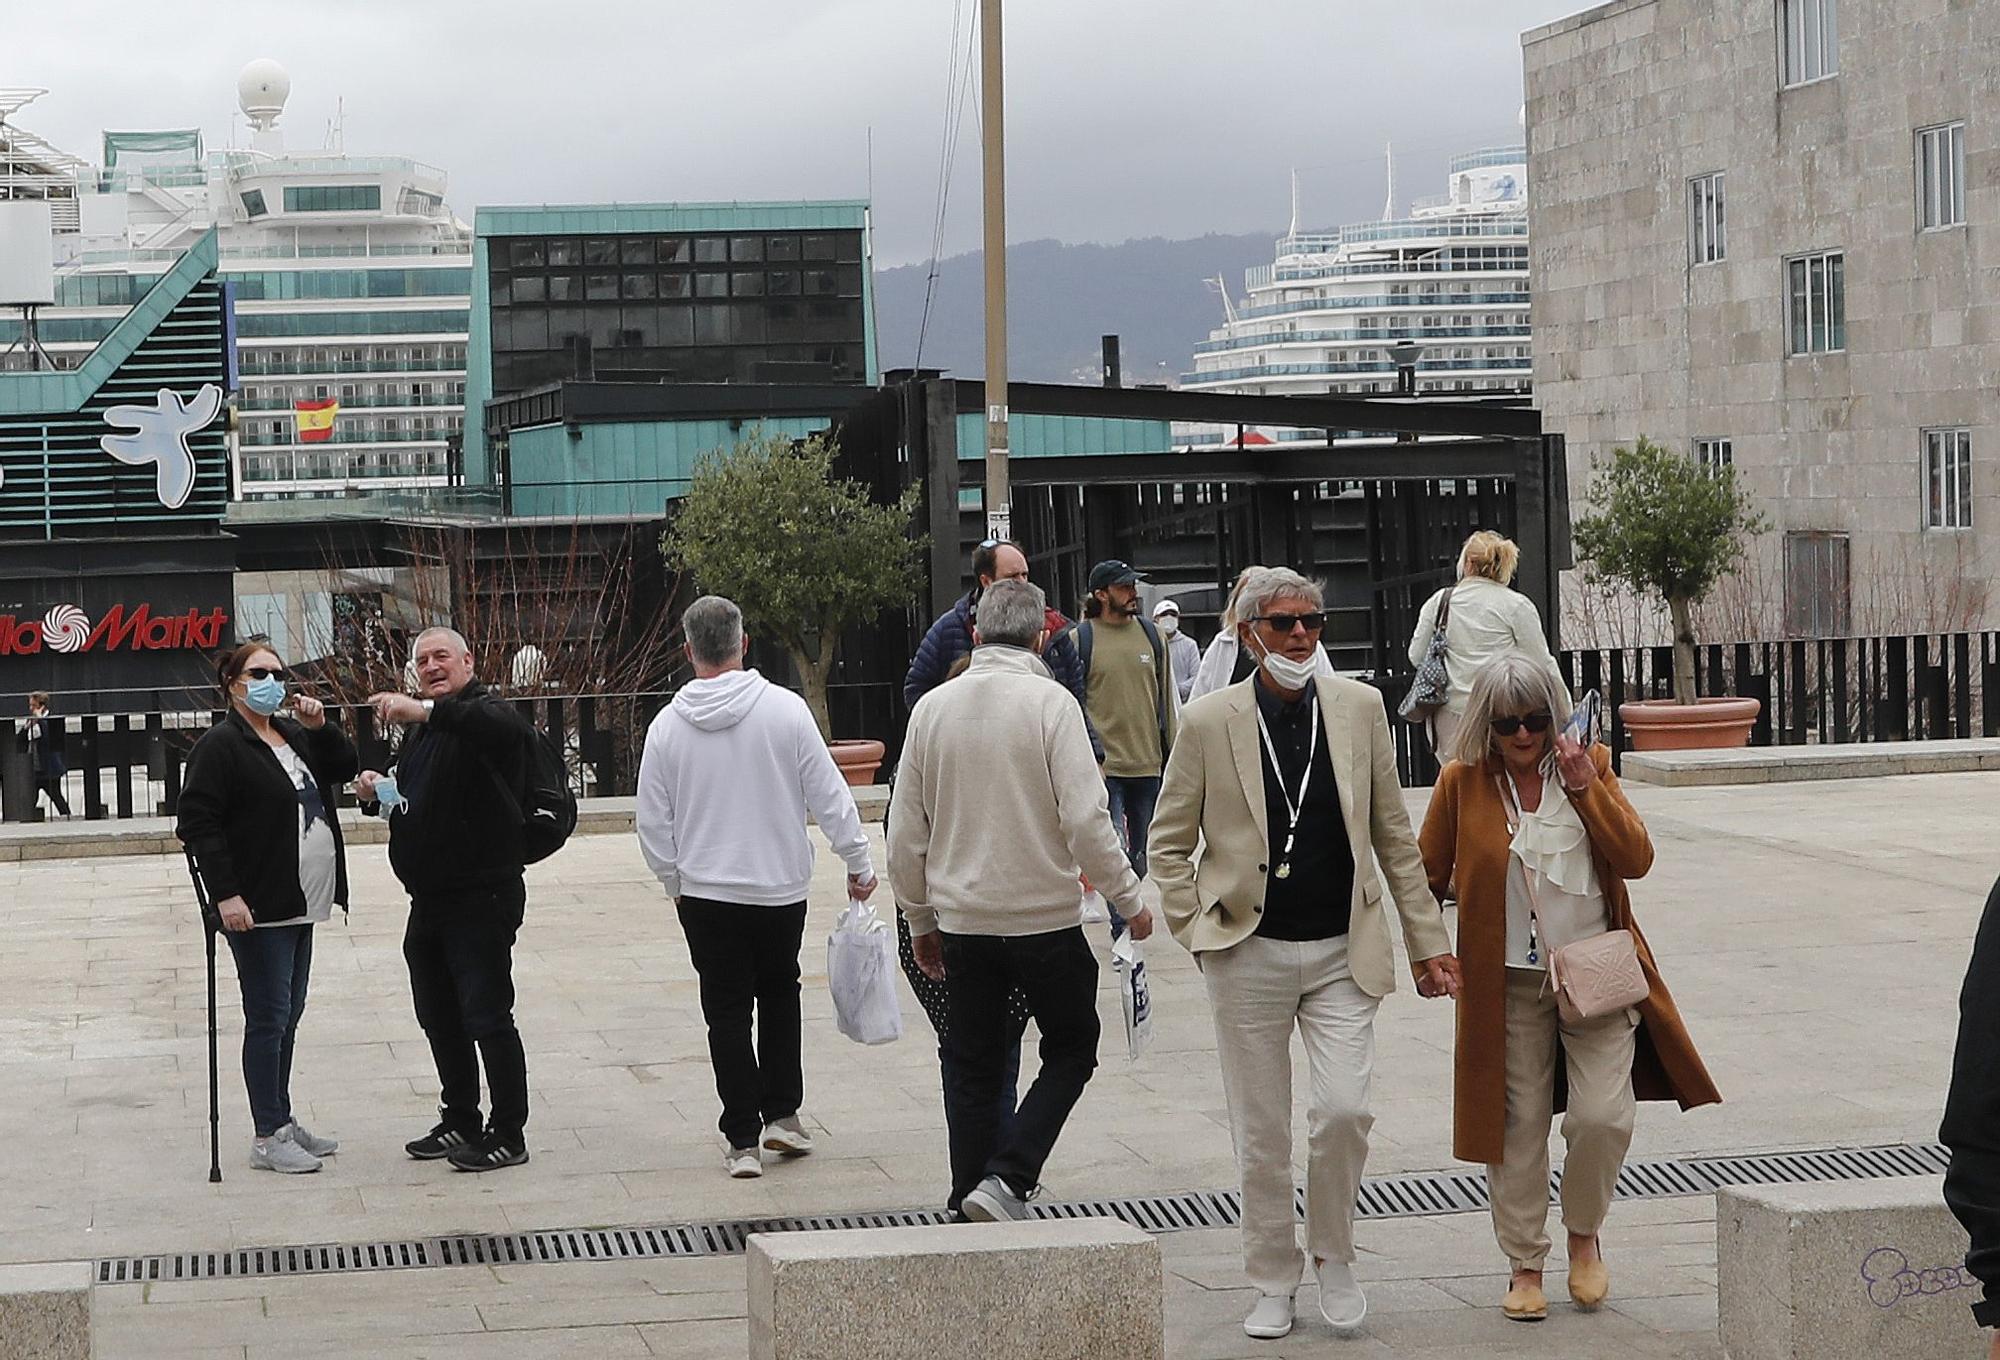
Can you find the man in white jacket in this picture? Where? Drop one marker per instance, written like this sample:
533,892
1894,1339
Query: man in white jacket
998,801
730,770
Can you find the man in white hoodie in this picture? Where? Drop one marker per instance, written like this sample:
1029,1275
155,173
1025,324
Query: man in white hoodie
998,802
730,770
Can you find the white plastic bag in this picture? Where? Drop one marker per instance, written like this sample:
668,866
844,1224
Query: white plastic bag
1093,904
861,971
1135,996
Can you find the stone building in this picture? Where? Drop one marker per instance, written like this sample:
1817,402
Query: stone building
1764,232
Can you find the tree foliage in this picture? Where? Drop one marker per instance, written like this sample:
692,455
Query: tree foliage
805,554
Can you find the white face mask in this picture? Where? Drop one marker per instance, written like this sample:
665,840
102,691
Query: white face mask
1290,674
1169,624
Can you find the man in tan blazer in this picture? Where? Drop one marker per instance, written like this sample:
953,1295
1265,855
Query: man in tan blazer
1287,781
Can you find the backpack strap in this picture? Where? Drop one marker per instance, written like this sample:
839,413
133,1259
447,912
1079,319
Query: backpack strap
1163,677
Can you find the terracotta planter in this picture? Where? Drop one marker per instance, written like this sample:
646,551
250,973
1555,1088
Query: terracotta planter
858,760
1706,724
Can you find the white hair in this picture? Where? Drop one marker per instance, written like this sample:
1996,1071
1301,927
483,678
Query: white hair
1012,612
1512,683
1273,583
457,639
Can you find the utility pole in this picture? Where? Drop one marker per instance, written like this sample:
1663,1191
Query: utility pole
992,139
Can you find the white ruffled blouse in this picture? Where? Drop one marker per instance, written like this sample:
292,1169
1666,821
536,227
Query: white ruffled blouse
1552,845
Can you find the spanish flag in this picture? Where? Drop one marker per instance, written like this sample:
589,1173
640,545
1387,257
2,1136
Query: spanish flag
315,419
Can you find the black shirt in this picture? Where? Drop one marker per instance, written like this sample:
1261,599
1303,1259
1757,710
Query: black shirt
1312,902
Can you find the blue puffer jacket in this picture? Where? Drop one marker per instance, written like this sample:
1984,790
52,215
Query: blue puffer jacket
950,637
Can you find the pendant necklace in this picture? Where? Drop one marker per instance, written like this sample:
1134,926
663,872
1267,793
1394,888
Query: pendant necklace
1293,807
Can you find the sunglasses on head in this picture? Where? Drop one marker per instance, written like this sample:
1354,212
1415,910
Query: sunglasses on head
1285,623
267,672
1534,722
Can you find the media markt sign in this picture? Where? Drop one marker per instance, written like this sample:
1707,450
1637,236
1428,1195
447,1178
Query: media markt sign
66,629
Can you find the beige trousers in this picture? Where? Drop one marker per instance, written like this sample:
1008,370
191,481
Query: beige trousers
1261,990
1596,1128
1444,730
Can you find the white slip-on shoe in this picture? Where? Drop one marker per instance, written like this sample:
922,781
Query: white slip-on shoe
1271,1318
787,1136
1341,1301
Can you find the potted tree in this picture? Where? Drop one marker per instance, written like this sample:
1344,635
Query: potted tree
1666,527
805,554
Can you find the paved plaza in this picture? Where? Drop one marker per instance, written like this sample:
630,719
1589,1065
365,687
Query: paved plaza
1814,936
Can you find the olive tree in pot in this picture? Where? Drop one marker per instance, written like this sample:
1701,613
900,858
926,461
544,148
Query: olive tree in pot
1664,526
806,555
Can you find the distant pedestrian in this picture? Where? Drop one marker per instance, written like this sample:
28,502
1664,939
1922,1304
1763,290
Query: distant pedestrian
44,737
1971,1126
454,801
997,803
1225,662
257,811
1183,650
1270,880
1483,618
730,770
1539,841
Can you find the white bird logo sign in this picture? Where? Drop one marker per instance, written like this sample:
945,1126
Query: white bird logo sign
161,438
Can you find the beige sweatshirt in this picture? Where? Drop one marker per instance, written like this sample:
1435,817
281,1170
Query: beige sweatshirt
998,801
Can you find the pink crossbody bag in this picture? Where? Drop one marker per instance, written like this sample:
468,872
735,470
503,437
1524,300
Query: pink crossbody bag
1592,977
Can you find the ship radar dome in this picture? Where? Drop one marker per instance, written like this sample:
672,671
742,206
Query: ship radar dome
261,91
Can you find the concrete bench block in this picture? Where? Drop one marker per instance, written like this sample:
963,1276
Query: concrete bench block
1065,1289
1855,1270
45,1311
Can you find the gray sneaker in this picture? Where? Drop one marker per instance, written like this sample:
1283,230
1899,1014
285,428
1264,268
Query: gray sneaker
280,1153
994,1201
788,1136
312,1142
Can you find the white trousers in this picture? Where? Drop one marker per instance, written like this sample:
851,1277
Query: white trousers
1260,990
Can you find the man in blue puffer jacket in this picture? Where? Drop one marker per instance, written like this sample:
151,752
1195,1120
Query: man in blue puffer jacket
950,637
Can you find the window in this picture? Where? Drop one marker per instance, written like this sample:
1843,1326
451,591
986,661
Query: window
1817,596
1817,293
1947,479
1714,454
1810,33
1705,241
253,203
1941,176
333,198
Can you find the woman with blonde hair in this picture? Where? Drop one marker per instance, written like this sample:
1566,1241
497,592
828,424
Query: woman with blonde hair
1483,617
1533,835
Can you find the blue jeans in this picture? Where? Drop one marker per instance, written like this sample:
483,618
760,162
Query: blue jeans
1132,804
272,967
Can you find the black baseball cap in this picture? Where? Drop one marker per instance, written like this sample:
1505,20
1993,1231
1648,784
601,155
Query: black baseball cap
1113,573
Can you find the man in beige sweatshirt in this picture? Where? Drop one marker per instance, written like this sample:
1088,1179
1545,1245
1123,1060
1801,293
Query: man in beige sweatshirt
998,803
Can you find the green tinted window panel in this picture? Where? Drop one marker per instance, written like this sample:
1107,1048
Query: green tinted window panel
304,198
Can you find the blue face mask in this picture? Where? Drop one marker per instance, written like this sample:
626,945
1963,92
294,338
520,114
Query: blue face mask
264,696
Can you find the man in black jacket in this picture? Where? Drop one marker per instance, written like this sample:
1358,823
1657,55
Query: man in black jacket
455,841
1972,1117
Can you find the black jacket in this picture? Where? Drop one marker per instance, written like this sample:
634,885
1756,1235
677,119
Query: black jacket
239,813
462,829
1972,1114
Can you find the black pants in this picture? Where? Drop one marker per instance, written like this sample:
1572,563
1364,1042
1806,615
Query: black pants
1058,975
51,784
748,960
273,968
460,949
1972,1114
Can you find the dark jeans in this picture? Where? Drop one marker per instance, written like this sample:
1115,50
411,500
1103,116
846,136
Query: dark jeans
460,948
52,786
1132,804
272,967
747,959
1058,974
1972,1114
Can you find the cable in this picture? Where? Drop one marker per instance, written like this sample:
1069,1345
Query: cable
956,92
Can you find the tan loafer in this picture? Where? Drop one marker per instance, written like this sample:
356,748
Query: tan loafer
1525,1303
1589,1283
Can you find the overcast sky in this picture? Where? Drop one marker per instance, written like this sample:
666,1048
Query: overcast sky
1125,117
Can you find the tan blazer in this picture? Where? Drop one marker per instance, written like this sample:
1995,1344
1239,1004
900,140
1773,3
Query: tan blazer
1213,793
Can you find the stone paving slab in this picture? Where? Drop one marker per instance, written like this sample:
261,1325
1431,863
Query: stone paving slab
1814,936
1794,764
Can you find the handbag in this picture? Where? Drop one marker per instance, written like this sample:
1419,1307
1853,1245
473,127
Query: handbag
1431,685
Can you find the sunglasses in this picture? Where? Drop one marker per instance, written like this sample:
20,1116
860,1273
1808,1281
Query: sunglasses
1285,623
267,673
1534,722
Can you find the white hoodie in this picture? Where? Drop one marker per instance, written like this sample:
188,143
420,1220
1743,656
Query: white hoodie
730,769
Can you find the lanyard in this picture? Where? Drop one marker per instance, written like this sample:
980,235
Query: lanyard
1293,808
1515,817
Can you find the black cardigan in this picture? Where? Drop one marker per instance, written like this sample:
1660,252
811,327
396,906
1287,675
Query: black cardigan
239,813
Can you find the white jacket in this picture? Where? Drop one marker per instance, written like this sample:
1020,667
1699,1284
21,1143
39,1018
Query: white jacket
1486,619
730,769
1218,664
998,800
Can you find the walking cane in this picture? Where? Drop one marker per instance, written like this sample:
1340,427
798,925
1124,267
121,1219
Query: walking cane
211,923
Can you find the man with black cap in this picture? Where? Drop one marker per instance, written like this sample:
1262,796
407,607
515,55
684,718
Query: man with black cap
1131,699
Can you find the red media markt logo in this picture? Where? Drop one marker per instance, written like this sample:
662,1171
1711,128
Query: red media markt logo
66,628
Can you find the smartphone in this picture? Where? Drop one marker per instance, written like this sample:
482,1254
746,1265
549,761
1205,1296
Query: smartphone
1586,725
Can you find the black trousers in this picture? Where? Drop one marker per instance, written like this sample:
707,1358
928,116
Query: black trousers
1972,1114
1058,975
747,959
51,784
460,948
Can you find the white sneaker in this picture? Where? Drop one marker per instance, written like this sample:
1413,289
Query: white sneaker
743,1164
310,1141
1271,1318
1341,1301
788,1136
280,1153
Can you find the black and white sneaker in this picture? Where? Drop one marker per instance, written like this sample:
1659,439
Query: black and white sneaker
490,1153
441,1141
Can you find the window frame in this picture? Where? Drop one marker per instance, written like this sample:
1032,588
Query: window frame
1815,55
1948,195
1830,321
1946,467
1714,452
1708,221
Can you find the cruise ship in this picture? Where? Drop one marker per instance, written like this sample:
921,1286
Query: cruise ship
1452,277
351,277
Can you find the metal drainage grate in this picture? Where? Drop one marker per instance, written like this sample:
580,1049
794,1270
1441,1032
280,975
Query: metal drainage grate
1442,1192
